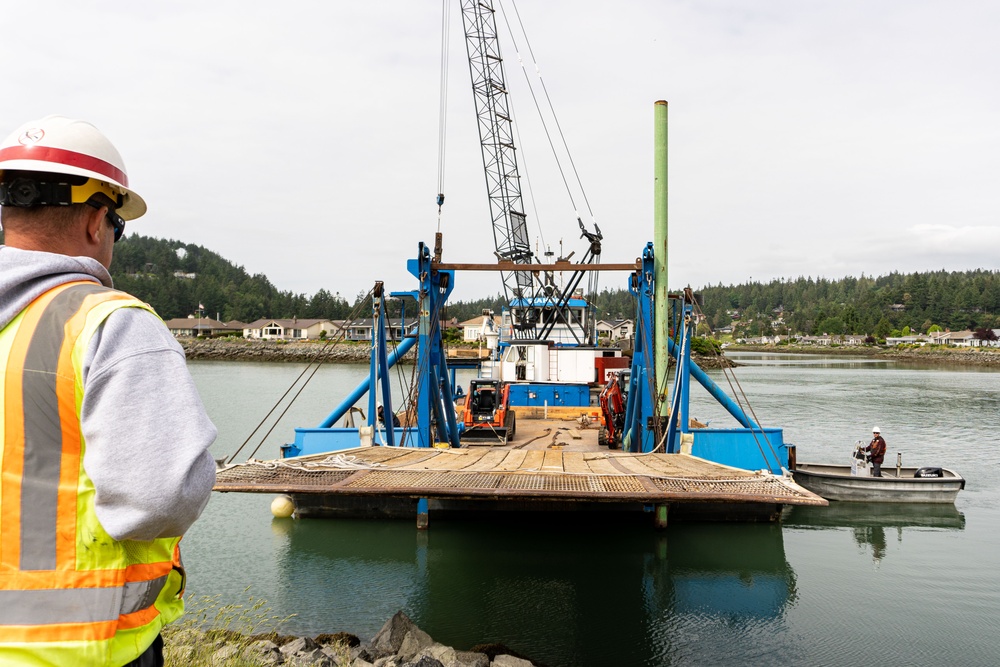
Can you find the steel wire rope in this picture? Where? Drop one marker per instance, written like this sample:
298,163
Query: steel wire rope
592,281
678,366
538,108
651,388
443,102
407,395
527,176
737,391
548,101
318,360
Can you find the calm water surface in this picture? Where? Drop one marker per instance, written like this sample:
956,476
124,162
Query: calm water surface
844,585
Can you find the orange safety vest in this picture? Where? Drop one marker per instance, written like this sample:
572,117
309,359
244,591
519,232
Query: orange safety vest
70,594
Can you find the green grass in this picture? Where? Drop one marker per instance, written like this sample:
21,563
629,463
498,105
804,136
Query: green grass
214,634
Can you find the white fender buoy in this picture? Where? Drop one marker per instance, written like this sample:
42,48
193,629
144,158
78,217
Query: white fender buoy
282,507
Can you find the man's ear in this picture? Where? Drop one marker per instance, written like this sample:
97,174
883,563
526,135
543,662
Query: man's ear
94,223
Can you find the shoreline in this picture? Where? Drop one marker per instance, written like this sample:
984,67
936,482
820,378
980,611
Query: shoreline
230,349
944,356
400,643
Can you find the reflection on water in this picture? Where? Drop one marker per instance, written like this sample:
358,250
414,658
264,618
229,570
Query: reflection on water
818,589
932,515
869,521
576,597
807,360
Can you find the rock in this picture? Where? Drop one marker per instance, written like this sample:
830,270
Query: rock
227,652
425,661
440,652
364,653
361,662
265,652
311,658
415,641
509,661
300,645
389,639
345,638
470,659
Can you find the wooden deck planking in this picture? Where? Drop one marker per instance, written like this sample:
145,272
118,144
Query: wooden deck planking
533,460
600,465
538,473
553,461
513,461
576,464
489,461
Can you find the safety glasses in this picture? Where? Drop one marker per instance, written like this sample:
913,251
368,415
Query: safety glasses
116,220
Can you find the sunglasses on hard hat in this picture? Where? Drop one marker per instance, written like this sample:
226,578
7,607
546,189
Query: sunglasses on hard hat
116,220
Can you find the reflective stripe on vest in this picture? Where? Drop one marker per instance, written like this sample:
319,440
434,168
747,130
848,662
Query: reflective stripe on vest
63,580
77,605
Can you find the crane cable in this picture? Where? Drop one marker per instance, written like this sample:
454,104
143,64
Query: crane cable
443,112
552,110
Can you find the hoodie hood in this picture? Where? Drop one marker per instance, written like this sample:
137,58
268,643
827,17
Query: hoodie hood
27,274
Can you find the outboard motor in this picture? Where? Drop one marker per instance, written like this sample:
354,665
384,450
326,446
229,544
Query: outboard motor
929,472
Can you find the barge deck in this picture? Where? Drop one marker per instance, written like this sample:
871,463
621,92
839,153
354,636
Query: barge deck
552,464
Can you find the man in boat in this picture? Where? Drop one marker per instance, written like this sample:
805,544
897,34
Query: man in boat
876,452
105,460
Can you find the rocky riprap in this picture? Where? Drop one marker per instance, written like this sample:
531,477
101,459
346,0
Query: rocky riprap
242,349
400,643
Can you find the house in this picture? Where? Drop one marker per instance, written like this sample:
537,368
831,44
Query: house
615,329
912,339
361,329
852,339
289,329
815,340
476,328
191,326
965,338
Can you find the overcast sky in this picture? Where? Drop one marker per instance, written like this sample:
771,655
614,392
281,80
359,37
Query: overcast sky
300,139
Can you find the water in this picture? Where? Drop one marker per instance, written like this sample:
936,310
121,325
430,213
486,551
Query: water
845,585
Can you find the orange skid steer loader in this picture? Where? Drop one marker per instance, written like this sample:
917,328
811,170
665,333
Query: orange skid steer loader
488,418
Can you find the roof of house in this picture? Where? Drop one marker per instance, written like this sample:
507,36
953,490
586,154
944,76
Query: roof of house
286,323
477,320
194,323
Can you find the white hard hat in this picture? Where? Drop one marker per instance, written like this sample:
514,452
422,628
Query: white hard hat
60,145
875,429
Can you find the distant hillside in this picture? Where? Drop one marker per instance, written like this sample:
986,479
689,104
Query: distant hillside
176,277
956,300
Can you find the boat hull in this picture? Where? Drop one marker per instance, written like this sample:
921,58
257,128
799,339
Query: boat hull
835,482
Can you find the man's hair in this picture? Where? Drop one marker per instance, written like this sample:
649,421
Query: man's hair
40,220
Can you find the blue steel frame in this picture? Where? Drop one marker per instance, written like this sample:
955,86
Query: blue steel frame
750,447
435,407
436,420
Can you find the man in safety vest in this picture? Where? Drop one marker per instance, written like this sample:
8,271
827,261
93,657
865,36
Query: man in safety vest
103,437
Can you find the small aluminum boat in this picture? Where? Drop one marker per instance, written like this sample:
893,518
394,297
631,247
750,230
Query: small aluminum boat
896,485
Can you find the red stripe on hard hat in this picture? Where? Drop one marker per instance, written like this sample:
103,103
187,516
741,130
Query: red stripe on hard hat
68,158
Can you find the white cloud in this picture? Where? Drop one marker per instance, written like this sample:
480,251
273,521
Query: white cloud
300,140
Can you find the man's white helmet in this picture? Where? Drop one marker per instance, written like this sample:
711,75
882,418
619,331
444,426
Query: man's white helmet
60,145
875,429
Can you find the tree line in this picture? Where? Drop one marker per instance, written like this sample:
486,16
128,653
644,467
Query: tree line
956,300
176,278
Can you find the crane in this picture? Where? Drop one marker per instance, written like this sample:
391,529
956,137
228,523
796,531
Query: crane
527,297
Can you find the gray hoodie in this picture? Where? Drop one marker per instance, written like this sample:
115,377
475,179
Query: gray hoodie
145,426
